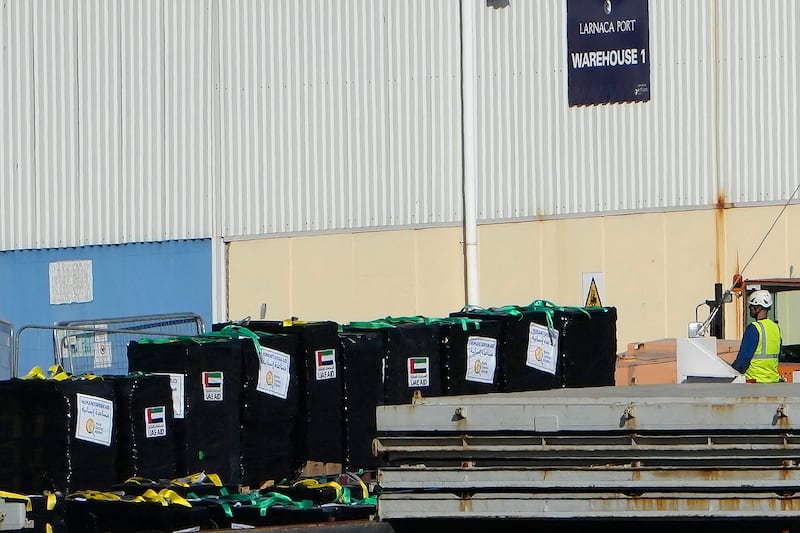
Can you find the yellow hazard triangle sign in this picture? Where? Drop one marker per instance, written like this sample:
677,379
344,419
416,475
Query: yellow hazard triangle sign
593,298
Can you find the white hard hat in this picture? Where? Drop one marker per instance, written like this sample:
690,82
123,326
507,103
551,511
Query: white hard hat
762,298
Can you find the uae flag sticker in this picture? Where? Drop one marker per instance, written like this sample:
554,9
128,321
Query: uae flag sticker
212,386
155,422
418,372
326,364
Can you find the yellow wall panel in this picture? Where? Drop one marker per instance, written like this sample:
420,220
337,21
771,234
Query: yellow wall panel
635,273
323,278
259,272
440,270
658,268
509,263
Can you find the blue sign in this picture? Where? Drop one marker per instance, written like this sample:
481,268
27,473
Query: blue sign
608,51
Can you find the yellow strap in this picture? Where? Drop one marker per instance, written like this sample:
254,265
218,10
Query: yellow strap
14,496
199,477
151,496
95,495
51,501
360,482
57,373
35,373
173,497
139,480
314,484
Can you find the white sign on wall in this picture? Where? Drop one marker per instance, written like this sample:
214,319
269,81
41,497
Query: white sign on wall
71,282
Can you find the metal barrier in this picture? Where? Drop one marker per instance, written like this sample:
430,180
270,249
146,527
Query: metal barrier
98,346
6,349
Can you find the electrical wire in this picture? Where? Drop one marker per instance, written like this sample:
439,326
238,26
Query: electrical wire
739,275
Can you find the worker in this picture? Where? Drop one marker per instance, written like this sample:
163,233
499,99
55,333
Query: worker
761,342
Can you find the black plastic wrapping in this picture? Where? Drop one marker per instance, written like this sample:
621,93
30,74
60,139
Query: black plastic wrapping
320,385
269,447
104,516
62,435
589,345
586,339
472,358
363,355
207,435
413,359
145,427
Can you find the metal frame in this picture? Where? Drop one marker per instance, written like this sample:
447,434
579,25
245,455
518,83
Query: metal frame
128,328
10,362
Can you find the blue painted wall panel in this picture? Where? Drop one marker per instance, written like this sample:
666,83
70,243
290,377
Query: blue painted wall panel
128,280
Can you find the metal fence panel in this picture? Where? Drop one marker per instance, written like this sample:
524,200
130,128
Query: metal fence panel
100,346
6,346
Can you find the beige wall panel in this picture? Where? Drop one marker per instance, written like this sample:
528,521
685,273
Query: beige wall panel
259,272
791,221
384,274
777,257
745,230
690,255
440,271
657,268
570,247
510,267
634,277
322,280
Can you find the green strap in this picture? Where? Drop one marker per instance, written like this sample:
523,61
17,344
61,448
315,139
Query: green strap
372,324
512,310
240,331
200,339
416,319
464,322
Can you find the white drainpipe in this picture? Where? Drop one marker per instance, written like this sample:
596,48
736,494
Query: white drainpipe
468,8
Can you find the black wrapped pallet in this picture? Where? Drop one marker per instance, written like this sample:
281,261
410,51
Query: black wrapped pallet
529,361
125,516
471,356
14,451
589,345
67,437
547,346
363,355
269,408
413,362
205,375
145,423
320,400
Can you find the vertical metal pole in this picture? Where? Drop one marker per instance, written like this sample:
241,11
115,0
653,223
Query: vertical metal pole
718,324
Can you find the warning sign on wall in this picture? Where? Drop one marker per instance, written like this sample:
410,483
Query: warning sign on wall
593,289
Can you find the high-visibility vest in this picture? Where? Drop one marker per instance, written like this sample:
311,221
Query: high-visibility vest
764,365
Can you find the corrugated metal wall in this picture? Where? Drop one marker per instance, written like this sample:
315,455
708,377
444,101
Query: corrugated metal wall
340,114
158,120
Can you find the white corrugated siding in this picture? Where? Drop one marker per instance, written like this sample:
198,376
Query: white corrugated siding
153,120
758,99
339,114
539,157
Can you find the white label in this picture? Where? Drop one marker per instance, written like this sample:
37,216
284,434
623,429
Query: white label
542,348
326,364
481,359
273,373
176,384
95,421
155,421
419,374
212,385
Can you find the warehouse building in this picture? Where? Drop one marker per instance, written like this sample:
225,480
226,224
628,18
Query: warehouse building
348,160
